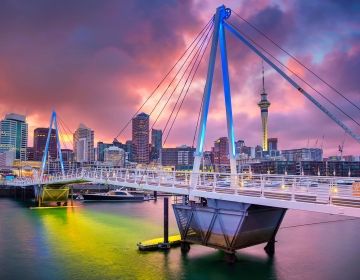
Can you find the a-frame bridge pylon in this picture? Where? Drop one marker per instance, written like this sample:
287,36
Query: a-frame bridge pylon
53,123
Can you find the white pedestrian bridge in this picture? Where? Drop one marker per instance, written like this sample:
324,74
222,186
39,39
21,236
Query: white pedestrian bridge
333,195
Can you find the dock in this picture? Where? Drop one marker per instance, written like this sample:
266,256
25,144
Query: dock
158,243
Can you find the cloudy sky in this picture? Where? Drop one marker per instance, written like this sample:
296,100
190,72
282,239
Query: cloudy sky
95,62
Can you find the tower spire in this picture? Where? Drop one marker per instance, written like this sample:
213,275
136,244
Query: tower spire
264,104
263,75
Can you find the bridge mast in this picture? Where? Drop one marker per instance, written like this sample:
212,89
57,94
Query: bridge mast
221,14
53,122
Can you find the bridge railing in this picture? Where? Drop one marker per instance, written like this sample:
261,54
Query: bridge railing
312,189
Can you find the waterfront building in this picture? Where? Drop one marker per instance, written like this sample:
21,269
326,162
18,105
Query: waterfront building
264,105
156,143
7,159
115,156
259,152
311,168
30,154
84,144
100,149
140,138
67,155
221,151
239,145
180,157
303,154
40,138
272,144
129,149
118,144
351,158
14,135
249,152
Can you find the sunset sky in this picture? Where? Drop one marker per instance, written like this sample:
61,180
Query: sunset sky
95,62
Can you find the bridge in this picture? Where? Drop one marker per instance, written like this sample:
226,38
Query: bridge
232,210
332,195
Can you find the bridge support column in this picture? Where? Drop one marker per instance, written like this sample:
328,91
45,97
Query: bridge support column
165,245
230,257
270,246
185,247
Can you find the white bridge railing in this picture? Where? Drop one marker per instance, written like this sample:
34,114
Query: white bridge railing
340,191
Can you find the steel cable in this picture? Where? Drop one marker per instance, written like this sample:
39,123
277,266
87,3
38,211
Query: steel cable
299,62
167,74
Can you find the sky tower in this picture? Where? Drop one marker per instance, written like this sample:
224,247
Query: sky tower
264,104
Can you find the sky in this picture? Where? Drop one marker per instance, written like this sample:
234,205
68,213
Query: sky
95,62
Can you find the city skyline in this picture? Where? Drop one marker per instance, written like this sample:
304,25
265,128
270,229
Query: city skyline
98,83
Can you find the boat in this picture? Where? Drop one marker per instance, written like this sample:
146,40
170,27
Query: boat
116,195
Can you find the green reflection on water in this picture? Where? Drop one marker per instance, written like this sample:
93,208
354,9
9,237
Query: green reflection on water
98,245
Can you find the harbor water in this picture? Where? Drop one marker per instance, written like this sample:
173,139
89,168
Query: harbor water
98,241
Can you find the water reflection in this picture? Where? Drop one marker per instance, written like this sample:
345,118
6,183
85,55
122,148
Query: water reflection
98,241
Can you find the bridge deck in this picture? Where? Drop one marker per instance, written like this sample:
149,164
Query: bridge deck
332,195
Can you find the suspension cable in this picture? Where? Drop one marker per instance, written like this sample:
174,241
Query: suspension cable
187,90
295,74
65,140
62,141
197,55
179,70
167,74
298,61
68,130
167,101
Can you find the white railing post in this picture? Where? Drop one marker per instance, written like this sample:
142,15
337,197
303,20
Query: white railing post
331,191
262,185
293,190
214,181
173,179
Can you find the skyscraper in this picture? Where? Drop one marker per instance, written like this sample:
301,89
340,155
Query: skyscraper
84,144
40,137
221,151
156,143
14,135
140,138
264,104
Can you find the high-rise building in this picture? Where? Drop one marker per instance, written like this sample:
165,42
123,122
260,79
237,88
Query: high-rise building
221,151
264,104
14,135
40,137
272,144
156,143
84,144
140,138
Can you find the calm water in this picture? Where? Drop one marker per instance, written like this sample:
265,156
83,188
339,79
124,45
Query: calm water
98,241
